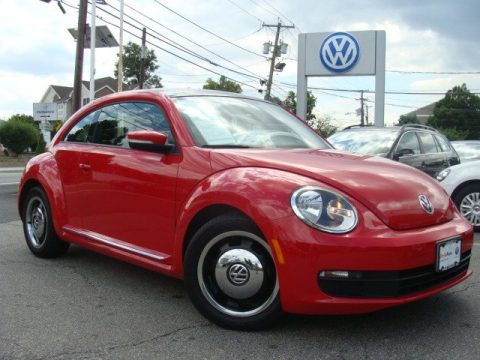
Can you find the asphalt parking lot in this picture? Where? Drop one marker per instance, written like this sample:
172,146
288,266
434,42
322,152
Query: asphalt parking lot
88,306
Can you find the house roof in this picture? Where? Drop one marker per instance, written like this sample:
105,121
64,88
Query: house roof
66,92
423,113
63,92
106,81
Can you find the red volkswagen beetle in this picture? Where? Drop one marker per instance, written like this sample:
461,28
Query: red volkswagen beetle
251,207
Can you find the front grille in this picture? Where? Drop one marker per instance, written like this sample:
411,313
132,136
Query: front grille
388,284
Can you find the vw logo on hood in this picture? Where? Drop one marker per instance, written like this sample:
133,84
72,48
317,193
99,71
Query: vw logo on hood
339,52
426,204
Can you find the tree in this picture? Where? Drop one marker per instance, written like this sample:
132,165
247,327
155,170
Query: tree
407,119
223,84
131,66
457,114
291,103
18,135
323,126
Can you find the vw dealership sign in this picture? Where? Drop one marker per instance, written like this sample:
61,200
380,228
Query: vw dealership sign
339,52
356,53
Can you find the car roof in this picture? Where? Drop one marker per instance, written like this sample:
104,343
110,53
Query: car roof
175,93
391,128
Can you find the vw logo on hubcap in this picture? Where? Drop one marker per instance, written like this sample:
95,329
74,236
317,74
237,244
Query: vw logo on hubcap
238,274
426,204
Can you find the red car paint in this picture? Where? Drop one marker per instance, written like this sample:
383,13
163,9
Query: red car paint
137,206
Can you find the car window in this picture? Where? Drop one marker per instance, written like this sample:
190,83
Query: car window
428,143
83,130
443,143
369,142
215,121
409,141
467,151
111,124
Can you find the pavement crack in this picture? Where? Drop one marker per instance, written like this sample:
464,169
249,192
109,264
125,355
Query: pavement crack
157,337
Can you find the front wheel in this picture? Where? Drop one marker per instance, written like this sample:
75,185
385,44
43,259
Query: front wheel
230,274
38,226
467,201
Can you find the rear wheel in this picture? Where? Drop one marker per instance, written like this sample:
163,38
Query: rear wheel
38,226
230,274
467,201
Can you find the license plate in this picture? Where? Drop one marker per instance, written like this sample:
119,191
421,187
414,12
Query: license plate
448,254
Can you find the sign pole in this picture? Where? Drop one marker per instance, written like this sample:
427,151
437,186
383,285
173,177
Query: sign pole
301,78
380,78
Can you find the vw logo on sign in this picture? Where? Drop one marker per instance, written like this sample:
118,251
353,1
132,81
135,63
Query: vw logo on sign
426,204
339,52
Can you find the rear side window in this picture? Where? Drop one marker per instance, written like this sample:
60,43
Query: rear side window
428,143
443,143
111,124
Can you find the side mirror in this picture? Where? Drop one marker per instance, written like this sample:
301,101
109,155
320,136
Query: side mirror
403,152
149,140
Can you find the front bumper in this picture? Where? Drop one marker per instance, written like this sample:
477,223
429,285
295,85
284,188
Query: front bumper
393,267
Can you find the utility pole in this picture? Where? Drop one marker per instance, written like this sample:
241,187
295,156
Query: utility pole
362,111
275,53
93,37
120,51
77,82
142,57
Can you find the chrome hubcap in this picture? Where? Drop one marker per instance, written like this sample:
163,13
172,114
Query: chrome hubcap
237,275
470,208
36,221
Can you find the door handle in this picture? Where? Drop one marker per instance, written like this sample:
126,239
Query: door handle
85,167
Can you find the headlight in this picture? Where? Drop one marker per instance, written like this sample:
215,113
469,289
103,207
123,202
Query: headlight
324,209
443,174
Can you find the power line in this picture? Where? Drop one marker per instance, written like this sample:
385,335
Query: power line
279,13
182,48
245,11
435,72
176,55
208,31
186,38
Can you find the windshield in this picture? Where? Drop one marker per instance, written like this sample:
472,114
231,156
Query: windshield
467,151
227,122
368,142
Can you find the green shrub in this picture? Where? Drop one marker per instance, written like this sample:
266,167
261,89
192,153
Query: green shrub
18,136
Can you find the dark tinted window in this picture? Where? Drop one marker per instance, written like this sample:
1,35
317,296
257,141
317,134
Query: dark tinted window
111,124
409,141
428,143
83,130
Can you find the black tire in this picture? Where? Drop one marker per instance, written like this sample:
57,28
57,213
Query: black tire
230,274
38,226
467,200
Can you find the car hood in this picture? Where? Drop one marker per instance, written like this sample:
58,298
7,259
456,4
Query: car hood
389,189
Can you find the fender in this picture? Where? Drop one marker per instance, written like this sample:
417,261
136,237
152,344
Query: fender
263,194
43,169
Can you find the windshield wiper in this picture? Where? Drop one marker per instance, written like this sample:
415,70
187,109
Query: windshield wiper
227,146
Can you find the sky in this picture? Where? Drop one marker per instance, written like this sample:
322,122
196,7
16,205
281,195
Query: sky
431,46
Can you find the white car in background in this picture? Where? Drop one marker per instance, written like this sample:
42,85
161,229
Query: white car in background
462,183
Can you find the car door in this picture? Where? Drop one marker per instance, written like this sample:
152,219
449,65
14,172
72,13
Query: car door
451,156
131,193
69,154
434,160
408,150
